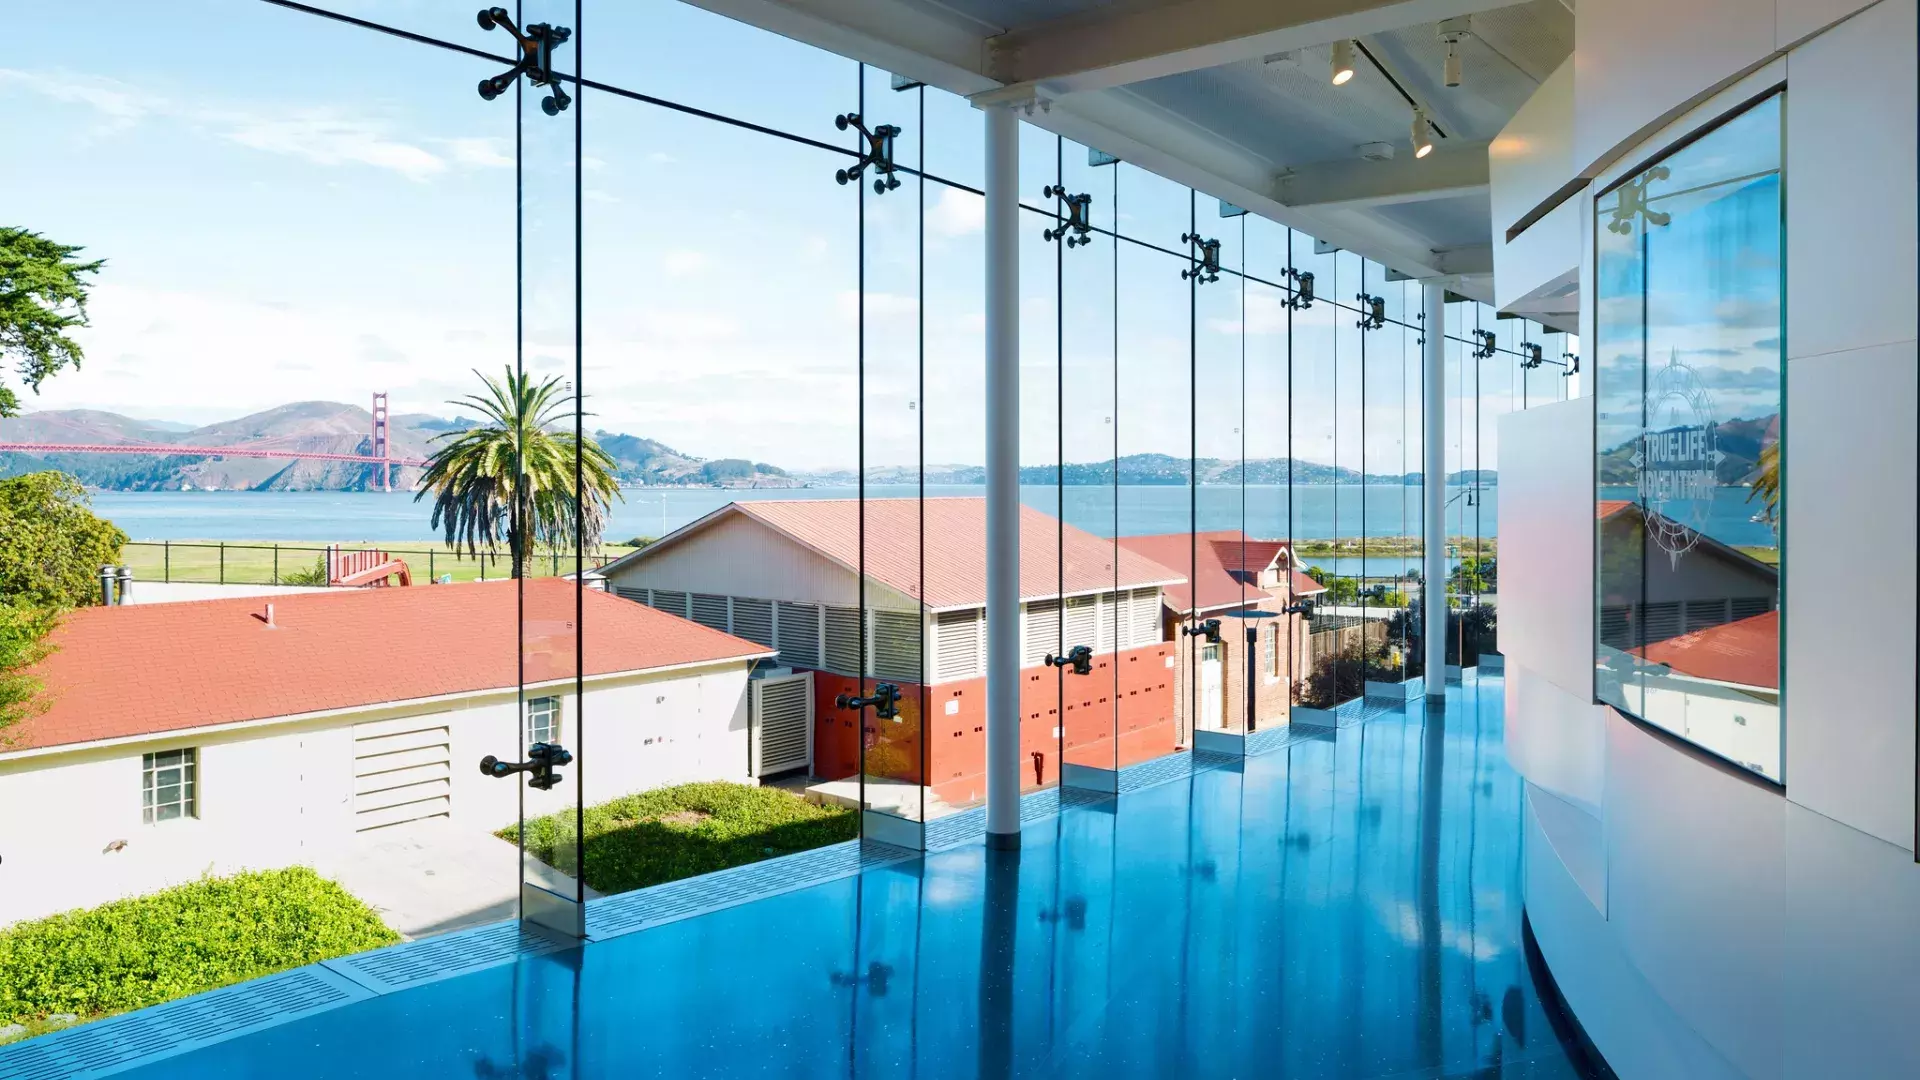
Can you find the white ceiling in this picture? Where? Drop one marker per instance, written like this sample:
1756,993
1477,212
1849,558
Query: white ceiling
1189,89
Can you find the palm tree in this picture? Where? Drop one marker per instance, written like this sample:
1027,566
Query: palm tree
1766,483
512,478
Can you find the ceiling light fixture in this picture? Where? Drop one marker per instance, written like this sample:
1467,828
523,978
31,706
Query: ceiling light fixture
1342,62
1452,31
1422,134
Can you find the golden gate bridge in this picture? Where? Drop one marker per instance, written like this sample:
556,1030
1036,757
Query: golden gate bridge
265,448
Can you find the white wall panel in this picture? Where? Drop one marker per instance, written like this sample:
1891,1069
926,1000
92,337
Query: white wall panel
1638,62
1850,185
1527,164
1557,740
741,557
1546,542
1850,648
1852,952
1797,19
1694,890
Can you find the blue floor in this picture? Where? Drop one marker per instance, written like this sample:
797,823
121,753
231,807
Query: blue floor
1346,907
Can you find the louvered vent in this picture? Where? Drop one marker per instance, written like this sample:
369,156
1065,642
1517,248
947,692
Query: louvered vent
1704,613
1746,607
1146,617
1043,632
1083,618
626,592
670,601
843,641
1662,621
783,724
753,620
710,610
799,634
1616,627
957,645
896,646
1112,621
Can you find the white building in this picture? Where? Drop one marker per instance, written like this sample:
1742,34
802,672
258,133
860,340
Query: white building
212,736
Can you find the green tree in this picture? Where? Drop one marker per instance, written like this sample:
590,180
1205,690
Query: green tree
1472,576
51,550
511,479
43,294
51,545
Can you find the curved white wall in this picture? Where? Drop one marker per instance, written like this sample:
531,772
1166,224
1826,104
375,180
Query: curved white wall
1702,923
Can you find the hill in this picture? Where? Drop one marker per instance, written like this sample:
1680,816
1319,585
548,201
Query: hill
1739,442
315,427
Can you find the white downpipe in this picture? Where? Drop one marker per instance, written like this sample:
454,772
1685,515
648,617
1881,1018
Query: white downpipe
1434,542
1003,477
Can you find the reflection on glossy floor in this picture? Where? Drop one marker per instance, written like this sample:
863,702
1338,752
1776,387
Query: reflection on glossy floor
1347,907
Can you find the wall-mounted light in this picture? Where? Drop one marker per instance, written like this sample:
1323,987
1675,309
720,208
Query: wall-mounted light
1342,62
1422,134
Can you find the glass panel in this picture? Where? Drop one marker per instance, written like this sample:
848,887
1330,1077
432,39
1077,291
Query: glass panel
1223,556
891,525
553,526
1689,316
1152,421
1264,319
1315,492
1498,374
1390,500
321,220
1091,706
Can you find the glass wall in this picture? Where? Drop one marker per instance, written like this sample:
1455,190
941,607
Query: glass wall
1688,381
646,403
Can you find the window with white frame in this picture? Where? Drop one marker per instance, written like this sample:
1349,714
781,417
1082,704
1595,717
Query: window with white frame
1270,643
543,720
168,787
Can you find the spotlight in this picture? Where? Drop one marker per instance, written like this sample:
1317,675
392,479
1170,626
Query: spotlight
1422,135
1452,31
1342,62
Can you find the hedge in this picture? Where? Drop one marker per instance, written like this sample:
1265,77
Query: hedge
678,832
132,953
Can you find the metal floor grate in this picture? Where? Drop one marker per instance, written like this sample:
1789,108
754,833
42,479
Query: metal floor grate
1279,738
106,1046
970,825
442,957
1160,770
615,915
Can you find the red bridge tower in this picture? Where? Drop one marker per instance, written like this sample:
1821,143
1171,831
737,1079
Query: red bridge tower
380,441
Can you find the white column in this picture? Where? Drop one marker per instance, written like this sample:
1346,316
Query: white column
1434,540
1003,477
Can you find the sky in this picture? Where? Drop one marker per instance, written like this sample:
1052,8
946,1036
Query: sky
293,209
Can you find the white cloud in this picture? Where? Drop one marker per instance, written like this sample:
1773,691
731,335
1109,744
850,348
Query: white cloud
685,262
957,213
479,151
321,135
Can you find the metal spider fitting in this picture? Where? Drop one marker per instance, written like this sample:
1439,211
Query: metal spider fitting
879,153
1484,344
1208,269
1079,221
1302,297
536,59
1373,312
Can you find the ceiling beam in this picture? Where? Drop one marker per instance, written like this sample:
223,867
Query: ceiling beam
1102,48
1454,168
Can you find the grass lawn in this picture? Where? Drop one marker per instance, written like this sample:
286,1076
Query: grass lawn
678,832
272,562
128,954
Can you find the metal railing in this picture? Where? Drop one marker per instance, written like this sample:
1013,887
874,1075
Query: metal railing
223,563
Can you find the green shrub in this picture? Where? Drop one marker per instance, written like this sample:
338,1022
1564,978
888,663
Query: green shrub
678,832
129,954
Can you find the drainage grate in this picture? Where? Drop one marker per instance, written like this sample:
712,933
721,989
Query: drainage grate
442,957
970,825
1203,760
675,900
1075,796
177,1026
1175,766
1279,738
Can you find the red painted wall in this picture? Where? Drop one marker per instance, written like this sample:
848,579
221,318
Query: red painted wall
1134,718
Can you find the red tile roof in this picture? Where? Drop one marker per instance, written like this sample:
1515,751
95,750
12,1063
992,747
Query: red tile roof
150,668
1745,652
1225,559
1606,508
956,547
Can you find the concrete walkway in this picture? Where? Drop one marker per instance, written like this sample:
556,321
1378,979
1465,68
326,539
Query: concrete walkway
429,877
